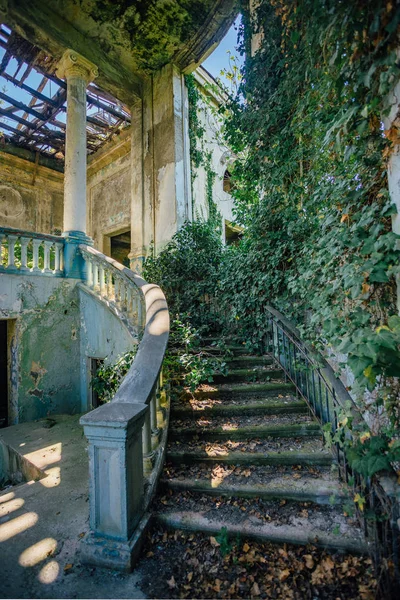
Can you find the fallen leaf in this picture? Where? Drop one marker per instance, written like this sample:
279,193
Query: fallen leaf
171,582
246,548
81,535
284,574
68,567
255,590
309,561
214,542
190,576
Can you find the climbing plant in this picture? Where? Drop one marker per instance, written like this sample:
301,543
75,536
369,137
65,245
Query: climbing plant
200,155
306,127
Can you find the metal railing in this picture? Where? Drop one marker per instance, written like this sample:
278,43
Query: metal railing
316,382
30,253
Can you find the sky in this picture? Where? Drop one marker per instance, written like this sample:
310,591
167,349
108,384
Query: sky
219,59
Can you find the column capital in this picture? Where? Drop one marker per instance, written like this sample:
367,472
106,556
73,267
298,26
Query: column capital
73,64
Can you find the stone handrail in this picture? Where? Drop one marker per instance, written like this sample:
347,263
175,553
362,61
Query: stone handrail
31,253
127,437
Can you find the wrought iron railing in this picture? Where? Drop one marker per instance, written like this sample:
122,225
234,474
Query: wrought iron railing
316,382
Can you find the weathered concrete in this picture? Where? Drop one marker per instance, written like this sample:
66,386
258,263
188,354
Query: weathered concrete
31,196
42,522
106,342
109,191
46,338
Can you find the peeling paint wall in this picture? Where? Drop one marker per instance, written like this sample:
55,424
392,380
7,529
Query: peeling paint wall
31,196
45,345
109,191
56,327
103,336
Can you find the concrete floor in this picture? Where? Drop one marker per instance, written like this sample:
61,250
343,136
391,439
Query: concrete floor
42,522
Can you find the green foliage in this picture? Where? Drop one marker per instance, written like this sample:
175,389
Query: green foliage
311,186
108,377
187,272
185,364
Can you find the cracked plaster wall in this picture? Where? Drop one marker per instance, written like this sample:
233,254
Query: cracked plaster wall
55,327
31,197
45,346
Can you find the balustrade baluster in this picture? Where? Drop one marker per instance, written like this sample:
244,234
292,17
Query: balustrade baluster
153,421
89,271
24,254
147,447
95,275
109,285
35,261
102,281
58,257
12,240
47,247
122,290
117,282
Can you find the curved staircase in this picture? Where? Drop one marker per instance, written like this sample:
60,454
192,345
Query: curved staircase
245,454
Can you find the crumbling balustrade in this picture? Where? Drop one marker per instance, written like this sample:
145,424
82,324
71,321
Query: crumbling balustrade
31,253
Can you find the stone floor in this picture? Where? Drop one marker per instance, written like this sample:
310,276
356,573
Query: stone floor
42,522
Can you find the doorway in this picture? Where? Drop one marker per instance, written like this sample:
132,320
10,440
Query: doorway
3,374
121,247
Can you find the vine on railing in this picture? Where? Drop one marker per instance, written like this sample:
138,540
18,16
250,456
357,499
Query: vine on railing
375,499
31,253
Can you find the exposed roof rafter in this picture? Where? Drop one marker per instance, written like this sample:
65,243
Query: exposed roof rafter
33,110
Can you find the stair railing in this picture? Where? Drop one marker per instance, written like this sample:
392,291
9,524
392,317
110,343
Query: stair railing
316,382
29,253
127,436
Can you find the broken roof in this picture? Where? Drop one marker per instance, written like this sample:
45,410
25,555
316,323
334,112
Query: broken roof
33,102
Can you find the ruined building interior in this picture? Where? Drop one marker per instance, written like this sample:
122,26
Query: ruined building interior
95,173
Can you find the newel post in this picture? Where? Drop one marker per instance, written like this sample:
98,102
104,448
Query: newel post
116,484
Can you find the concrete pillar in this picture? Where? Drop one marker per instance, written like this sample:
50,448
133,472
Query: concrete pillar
78,72
116,485
393,120
161,187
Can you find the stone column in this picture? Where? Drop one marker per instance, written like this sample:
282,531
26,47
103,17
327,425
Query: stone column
78,72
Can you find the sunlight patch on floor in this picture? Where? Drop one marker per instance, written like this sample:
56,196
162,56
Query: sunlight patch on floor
38,552
8,507
49,572
17,525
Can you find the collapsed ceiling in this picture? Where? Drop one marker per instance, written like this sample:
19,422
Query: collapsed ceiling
33,102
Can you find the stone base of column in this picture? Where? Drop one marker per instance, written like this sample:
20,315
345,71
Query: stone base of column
74,265
114,554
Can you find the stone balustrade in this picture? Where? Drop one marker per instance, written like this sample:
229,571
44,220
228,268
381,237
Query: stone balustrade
113,287
31,253
127,437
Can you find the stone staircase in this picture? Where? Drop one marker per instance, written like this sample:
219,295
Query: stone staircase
246,454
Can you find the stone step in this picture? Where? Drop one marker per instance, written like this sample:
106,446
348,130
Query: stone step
260,407
250,458
232,349
248,361
234,432
252,375
241,390
312,532
296,483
